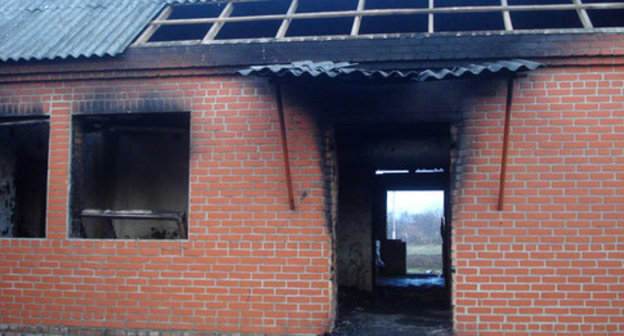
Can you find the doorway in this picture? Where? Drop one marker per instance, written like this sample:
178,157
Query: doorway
412,233
392,233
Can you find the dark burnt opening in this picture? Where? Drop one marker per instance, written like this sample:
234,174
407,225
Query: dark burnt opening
23,176
375,163
377,275
130,176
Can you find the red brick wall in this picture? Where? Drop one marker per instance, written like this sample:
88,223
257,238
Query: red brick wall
249,265
552,261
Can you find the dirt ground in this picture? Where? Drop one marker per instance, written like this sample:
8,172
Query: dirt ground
393,311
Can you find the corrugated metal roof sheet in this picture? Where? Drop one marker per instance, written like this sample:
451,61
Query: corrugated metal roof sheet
298,69
48,29
344,69
44,29
514,65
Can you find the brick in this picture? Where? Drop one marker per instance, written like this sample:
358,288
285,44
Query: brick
550,262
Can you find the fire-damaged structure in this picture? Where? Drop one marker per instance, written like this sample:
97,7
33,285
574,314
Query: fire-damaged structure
255,166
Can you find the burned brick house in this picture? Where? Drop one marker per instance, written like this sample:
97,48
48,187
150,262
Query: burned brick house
228,166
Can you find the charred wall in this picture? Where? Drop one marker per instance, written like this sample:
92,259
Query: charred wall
7,185
551,262
249,263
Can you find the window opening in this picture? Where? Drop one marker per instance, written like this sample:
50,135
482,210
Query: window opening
130,176
414,223
23,176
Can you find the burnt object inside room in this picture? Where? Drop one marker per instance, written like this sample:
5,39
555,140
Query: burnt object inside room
23,176
130,176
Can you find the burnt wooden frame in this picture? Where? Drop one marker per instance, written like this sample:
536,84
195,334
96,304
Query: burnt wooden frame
357,14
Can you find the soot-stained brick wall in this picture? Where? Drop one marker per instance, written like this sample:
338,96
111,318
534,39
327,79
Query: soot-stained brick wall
551,262
249,264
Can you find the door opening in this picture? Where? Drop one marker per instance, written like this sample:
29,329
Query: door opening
393,255
415,219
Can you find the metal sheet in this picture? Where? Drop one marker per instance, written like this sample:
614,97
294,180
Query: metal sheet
46,29
52,29
352,70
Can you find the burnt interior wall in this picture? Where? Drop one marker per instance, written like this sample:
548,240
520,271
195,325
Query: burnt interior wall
130,162
23,176
354,229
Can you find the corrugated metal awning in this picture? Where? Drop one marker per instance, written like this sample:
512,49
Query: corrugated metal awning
329,69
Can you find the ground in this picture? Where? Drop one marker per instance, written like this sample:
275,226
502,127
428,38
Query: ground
423,259
395,311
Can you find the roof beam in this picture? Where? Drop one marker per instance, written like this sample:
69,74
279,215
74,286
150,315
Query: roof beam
430,22
217,25
506,16
397,11
582,13
281,32
357,20
151,29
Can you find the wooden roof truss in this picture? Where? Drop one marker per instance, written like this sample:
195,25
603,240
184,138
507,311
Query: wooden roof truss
357,14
